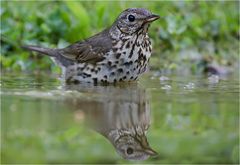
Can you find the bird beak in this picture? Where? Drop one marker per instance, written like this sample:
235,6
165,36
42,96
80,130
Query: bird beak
152,18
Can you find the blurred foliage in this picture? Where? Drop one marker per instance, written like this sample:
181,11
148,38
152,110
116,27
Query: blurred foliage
188,33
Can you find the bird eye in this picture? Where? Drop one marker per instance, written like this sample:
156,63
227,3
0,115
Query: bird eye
131,18
129,151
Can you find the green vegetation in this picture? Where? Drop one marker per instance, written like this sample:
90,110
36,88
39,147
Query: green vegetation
188,33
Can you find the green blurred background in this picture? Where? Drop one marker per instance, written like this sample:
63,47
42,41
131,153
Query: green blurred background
189,126
190,34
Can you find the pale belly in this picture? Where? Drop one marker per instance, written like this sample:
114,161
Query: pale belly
104,73
109,71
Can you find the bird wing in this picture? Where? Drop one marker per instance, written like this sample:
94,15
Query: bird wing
91,50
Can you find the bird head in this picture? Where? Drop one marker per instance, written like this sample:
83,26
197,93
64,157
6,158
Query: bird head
133,20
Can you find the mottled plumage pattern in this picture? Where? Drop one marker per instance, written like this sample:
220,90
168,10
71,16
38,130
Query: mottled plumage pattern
119,53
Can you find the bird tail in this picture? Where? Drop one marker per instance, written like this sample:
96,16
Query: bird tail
46,51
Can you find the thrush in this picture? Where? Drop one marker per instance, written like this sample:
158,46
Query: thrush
118,53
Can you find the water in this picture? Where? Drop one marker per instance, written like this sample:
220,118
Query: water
167,119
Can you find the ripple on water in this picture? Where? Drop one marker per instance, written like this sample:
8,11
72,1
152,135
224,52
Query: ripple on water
189,86
166,87
213,79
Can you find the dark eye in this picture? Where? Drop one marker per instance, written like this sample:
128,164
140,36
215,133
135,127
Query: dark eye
131,18
129,151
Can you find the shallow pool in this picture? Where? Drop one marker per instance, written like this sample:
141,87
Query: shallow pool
159,119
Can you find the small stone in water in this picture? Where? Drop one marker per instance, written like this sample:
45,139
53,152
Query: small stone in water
166,87
213,79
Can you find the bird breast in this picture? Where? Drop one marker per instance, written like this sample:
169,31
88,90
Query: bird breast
131,53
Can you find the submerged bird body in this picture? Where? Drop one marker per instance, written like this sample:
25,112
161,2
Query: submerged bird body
119,53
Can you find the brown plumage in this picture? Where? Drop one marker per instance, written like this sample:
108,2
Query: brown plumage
90,50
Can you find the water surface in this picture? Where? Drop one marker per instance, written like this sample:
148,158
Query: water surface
160,119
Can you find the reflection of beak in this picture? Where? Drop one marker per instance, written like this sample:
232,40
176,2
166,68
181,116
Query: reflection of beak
152,18
146,146
151,152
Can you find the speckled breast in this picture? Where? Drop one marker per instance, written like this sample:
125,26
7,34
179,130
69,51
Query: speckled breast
125,62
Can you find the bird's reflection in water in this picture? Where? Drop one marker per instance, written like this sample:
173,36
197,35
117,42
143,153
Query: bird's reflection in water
119,113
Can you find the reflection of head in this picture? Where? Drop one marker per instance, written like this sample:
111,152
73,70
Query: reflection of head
122,115
131,145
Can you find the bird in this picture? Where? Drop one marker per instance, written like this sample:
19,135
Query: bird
121,52
122,116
